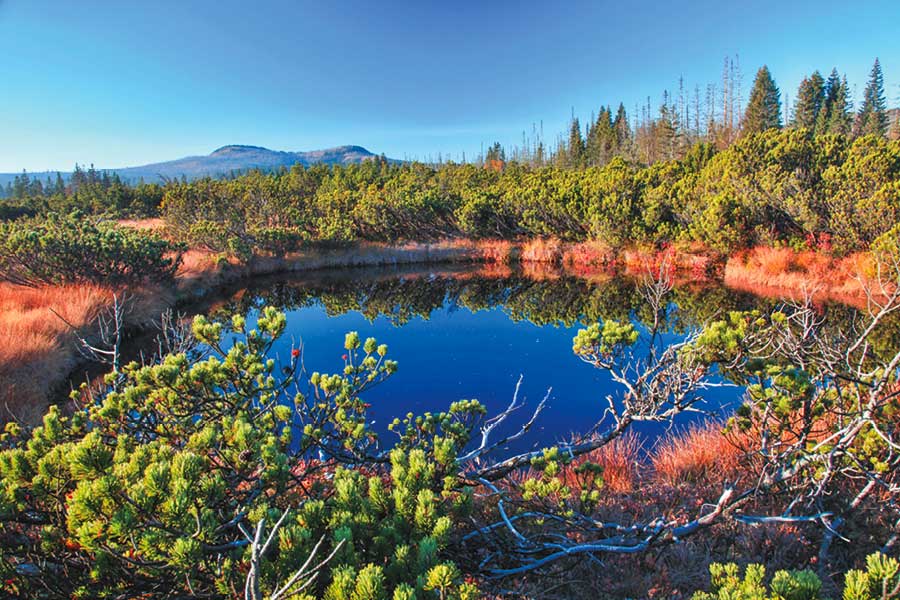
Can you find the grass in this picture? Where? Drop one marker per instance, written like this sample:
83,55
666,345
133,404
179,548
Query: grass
621,462
542,250
38,343
770,271
589,253
702,454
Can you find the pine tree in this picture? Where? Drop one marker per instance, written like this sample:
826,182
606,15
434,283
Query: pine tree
622,131
764,108
576,145
872,118
601,140
835,114
810,100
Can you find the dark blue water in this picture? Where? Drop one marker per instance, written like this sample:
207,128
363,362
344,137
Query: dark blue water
460,335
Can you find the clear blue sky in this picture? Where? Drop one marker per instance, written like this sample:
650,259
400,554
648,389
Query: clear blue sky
121,83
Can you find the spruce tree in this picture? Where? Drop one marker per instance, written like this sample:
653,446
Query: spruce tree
622,130
576,145
60,187
835,116
810,100
666,131
495,153
841,114
872,118
764,108
601,140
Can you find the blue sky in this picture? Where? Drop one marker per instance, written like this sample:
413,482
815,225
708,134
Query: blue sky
125,83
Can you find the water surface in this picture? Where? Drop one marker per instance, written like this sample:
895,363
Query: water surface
470,333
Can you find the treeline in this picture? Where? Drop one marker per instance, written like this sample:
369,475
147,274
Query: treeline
87,190
715,116
726,177
784,186
779,186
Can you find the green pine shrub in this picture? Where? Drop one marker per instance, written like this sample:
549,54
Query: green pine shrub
880,581
150,488
66,248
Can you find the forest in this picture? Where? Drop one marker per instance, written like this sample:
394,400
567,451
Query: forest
211,468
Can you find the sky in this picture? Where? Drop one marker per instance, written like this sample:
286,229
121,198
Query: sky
124,83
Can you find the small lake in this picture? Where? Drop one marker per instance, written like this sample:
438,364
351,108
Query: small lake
471,332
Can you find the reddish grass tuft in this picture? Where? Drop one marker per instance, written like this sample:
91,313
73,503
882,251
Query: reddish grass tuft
621,462
590,253
699,455
545,250
773,271
499,251
37,344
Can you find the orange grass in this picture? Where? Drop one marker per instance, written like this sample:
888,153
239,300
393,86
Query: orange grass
37,340
773,271
500,251
36,346
701,454
691,262
543,250
621,462
589,253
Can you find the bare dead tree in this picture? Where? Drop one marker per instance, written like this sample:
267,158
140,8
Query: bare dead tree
104,346
175,336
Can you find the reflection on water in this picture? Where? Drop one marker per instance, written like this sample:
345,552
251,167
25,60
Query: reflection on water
468,332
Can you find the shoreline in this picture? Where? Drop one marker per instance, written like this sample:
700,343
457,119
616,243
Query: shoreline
30,378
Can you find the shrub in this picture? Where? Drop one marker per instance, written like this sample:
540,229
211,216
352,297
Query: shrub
153,486
880,581
727,584
69,248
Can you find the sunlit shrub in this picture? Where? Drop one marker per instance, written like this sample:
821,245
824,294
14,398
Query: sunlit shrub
69,248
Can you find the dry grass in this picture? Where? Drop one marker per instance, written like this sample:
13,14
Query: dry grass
700,455
776,271
590,253
36,347
155,224
542,250
499,251
690,262
32,319
37,342
621,462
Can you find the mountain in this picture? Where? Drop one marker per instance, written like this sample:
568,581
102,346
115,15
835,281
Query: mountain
225,160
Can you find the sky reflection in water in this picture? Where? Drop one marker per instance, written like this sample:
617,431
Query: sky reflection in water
464,335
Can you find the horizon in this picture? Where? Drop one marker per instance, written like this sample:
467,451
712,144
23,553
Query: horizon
92,86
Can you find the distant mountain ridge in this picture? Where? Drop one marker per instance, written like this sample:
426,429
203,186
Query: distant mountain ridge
226,160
